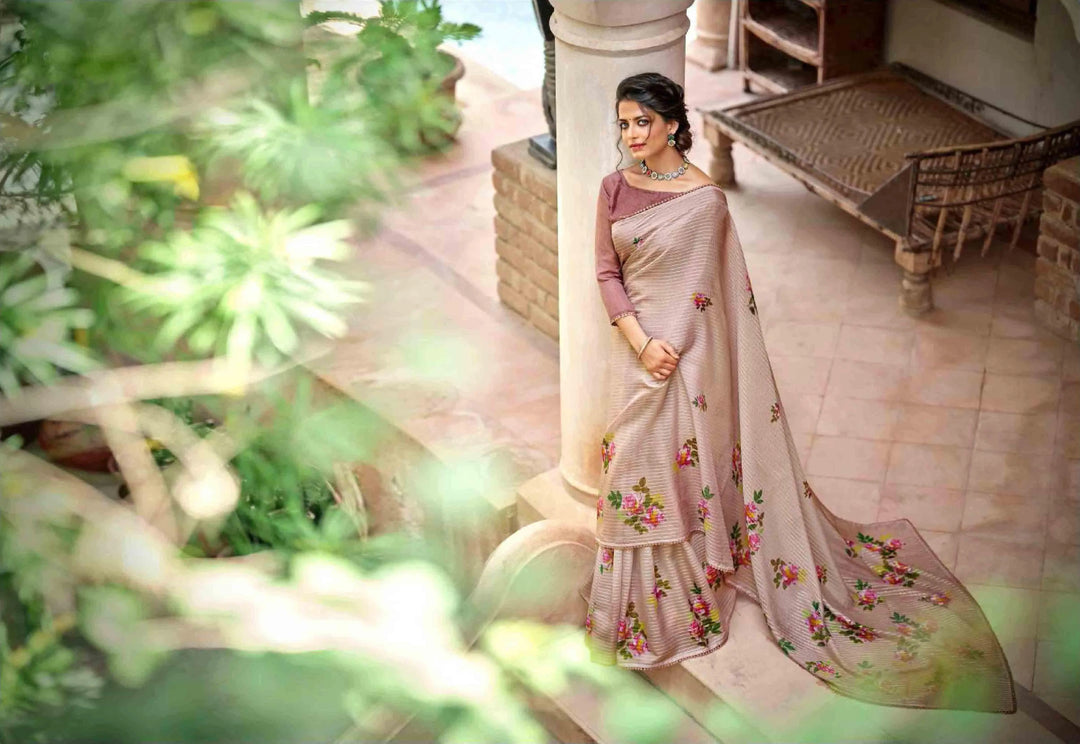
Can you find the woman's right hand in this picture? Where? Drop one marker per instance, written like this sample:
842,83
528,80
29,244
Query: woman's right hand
660,359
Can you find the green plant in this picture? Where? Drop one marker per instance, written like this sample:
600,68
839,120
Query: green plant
38,314
236,538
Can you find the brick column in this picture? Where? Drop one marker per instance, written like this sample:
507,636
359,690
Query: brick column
527,236
1057,270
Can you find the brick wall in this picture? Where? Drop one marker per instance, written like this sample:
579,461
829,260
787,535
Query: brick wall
1057,270
526,236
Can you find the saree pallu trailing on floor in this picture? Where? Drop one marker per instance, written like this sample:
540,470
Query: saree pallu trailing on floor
702,495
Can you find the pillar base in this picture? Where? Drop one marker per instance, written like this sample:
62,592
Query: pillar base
916,297
548,496
710,53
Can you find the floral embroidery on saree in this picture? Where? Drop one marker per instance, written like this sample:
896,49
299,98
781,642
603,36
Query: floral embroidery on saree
740,551
815,621
699,402
774,412
701,301
607,560
631,640
850,629
820,667
643,509
785,574
704,618
736,465
661,586
703,509
607,449
755,521
687,455
865,596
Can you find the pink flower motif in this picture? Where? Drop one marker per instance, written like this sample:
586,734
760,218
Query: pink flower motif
684,457
624,629
699,402
851,545
637,645
607,451
893,578
697,630
900,568
600,506
751,514
821,666
755,541
652,517
867,597
712,575
864,633
939,598
820,573
903,629
872,547
700,606
657,592
701,301
894,543
814,622
789,573
607,559
703,509
903,655
588,622
632,503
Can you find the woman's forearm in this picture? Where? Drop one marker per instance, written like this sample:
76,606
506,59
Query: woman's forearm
632,330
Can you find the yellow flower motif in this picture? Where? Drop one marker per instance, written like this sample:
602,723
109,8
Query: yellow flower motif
175,168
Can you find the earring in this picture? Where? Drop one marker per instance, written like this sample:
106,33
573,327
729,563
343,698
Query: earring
671,140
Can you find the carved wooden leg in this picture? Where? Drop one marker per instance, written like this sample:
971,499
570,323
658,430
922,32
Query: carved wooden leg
916,297
721,167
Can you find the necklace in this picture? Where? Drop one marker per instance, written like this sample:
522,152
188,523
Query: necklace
656,176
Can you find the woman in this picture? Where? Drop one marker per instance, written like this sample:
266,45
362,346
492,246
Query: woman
702,494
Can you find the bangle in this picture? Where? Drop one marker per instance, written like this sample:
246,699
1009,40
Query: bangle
642,349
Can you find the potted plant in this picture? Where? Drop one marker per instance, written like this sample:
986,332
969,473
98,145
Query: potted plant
416,31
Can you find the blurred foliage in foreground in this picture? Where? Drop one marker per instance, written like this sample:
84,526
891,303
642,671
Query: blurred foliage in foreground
181,208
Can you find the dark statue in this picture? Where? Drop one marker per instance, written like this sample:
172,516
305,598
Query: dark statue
542,146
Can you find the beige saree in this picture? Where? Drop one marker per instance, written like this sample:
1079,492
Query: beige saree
702,495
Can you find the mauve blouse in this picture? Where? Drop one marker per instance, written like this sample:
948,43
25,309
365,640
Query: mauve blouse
617,199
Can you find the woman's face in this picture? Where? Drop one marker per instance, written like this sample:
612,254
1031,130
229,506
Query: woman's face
644,132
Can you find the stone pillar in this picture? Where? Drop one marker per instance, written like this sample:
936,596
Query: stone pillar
597,44
1057,270
709,49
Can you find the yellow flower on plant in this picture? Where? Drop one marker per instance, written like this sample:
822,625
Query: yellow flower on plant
175,168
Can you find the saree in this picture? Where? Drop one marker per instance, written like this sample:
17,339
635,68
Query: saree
702,495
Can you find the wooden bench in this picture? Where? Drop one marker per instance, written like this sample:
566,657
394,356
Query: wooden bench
902,152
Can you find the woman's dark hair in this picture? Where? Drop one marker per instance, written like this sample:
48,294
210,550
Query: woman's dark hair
664,96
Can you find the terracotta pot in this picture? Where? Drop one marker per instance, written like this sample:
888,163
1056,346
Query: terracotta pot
449,83
74,445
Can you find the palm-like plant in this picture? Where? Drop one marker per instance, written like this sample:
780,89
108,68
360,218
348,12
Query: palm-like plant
247,283
38,315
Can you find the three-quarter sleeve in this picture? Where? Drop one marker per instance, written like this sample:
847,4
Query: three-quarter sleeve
608,266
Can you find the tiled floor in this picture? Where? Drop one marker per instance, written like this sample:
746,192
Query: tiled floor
966,421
